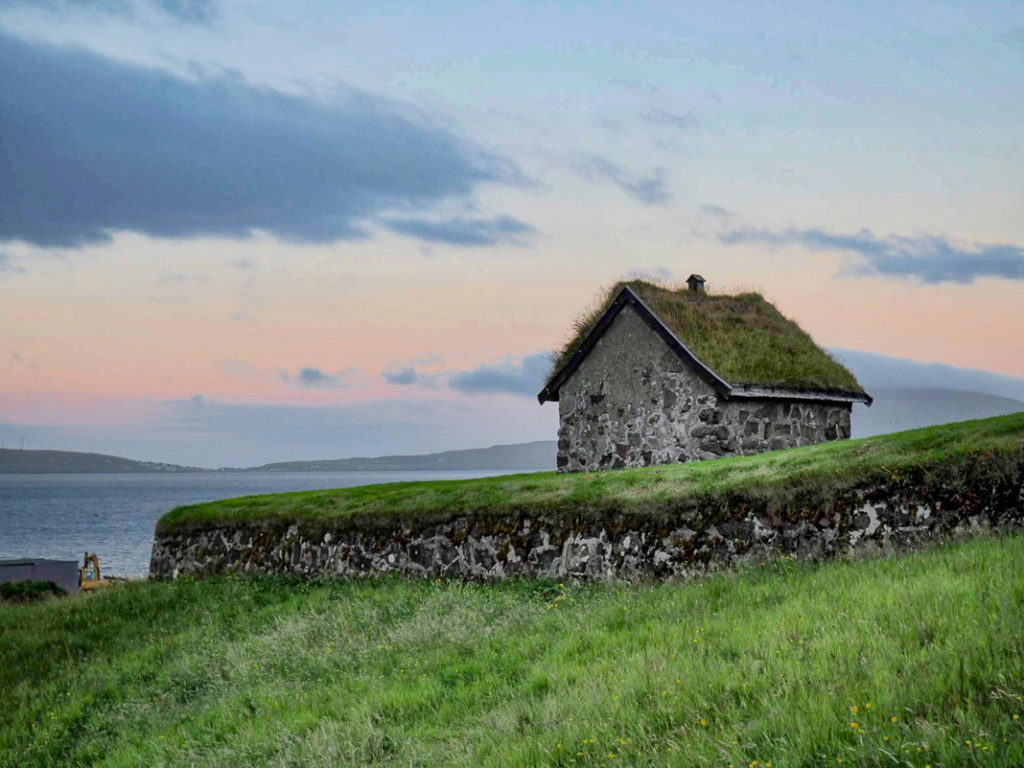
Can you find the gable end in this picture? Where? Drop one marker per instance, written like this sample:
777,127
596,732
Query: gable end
625,298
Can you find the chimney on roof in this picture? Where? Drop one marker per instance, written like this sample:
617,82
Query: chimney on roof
696,283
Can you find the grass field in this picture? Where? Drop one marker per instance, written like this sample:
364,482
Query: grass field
649,490
911,661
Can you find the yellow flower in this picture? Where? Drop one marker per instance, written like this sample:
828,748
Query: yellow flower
1016,716
868,705
855,724
895,719
855,709
703,721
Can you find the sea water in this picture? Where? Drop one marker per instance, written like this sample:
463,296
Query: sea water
114,515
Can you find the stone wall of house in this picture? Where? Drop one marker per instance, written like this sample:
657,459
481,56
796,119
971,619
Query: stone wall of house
905,513
633,402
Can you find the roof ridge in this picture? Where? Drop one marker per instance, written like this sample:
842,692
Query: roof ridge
627,296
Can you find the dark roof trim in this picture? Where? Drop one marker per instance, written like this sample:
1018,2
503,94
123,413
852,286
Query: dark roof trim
819,395
628,297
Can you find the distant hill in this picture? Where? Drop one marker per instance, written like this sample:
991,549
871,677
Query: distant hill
524,456
539,454
13,461
895,410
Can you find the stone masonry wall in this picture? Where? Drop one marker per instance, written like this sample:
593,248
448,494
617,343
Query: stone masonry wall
634,402
906,513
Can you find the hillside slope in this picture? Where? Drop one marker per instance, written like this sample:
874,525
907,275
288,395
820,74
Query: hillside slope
521,456
14,461
910,661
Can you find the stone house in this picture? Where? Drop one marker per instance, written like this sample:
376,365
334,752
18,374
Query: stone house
658,375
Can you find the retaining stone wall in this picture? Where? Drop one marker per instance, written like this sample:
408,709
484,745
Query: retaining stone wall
858,522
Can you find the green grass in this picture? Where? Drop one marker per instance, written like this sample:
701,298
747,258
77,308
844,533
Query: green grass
760,665
743,338
29,591
773,479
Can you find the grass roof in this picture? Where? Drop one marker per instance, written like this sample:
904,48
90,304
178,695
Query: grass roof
743,338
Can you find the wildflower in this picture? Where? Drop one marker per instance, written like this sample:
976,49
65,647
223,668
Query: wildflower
895,719
854,724
612,755
855,709
1016,716
703,721
868,705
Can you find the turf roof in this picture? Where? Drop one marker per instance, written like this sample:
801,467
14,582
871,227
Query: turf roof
742,338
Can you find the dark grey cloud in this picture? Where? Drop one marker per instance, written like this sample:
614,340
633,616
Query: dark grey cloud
662,117
466,232
190,11
931,259
91,145
524,378
649,189
404,377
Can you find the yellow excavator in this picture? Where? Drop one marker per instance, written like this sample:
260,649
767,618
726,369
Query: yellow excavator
90,579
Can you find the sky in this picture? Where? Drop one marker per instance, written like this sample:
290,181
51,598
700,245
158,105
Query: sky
241,232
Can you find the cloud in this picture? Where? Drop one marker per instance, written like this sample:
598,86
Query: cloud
882,372
649,189
664,118
316,378
710,209
459,231
1015,39
524,378
171,278
190,11
93,145
930,259
403,377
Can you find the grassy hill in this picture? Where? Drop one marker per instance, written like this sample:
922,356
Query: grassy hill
773,479
910,661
